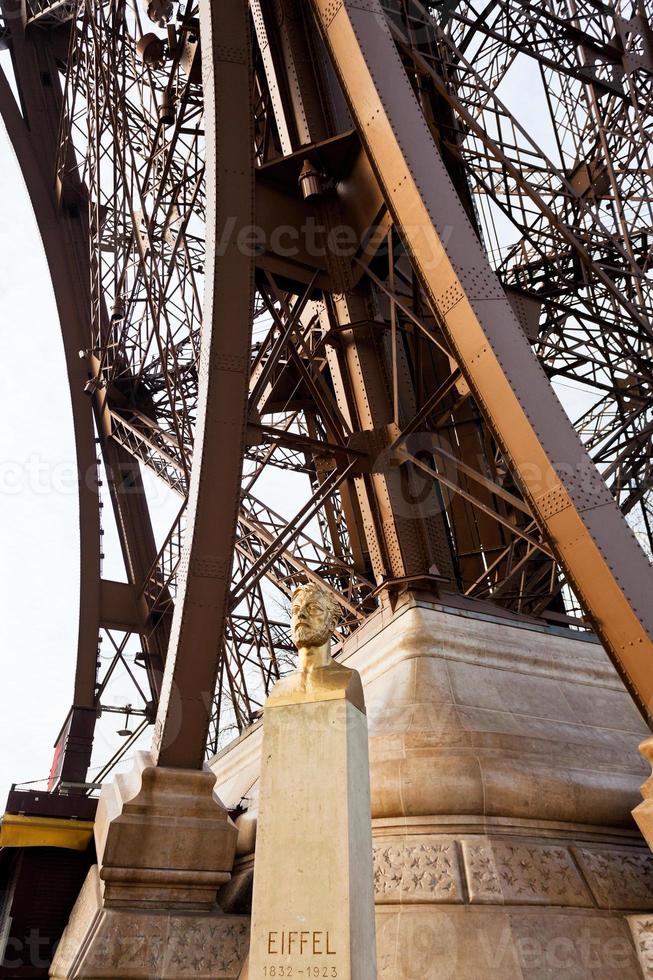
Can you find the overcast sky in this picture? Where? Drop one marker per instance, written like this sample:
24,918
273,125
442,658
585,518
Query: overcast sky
39,537
38,507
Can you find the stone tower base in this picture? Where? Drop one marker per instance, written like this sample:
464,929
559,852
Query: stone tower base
504,767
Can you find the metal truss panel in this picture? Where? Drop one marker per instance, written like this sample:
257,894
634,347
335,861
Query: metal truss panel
608,570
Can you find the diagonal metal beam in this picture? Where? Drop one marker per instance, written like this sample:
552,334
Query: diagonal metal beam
574,507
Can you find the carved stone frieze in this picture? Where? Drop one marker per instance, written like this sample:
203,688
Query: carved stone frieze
501,872
416,870
138,944
523,874
219,947
482,876
619,879
127,945
142,944
641,927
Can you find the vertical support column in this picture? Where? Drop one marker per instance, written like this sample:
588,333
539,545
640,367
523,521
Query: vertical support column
402,516
164,841
296,102
205,575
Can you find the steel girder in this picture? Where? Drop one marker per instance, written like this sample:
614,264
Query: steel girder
192,664
64,240
581,208
567,494
355,380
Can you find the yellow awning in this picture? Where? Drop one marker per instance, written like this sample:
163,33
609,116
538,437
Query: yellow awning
19,830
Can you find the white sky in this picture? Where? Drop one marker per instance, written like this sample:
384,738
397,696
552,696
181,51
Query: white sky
39,537
38,515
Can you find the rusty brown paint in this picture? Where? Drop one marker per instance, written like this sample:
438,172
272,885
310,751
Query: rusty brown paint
609,572
200,612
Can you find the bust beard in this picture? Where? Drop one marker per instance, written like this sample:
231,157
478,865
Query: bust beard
307,636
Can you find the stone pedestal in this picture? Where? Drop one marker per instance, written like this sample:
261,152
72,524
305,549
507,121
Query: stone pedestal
504,768
643,813
165,844
313,902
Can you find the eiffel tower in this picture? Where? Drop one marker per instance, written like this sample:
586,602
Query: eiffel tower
336,274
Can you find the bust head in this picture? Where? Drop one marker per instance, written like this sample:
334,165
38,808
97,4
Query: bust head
314,616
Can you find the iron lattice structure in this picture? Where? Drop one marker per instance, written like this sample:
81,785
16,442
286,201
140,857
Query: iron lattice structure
358,399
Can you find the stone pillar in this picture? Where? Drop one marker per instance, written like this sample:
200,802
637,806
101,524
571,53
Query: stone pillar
165,844
504,766
313,902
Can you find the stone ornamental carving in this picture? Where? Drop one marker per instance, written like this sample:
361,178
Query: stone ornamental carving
125,945
641,927
183,946
523,874
618,879
218,947
416,872
482,877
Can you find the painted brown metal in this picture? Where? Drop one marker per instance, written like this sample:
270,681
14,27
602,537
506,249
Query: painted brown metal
356,375
608,570
404,536
401,537
200,614
136,536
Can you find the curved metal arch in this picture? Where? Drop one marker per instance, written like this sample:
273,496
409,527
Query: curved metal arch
64,241
223,386
64,233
